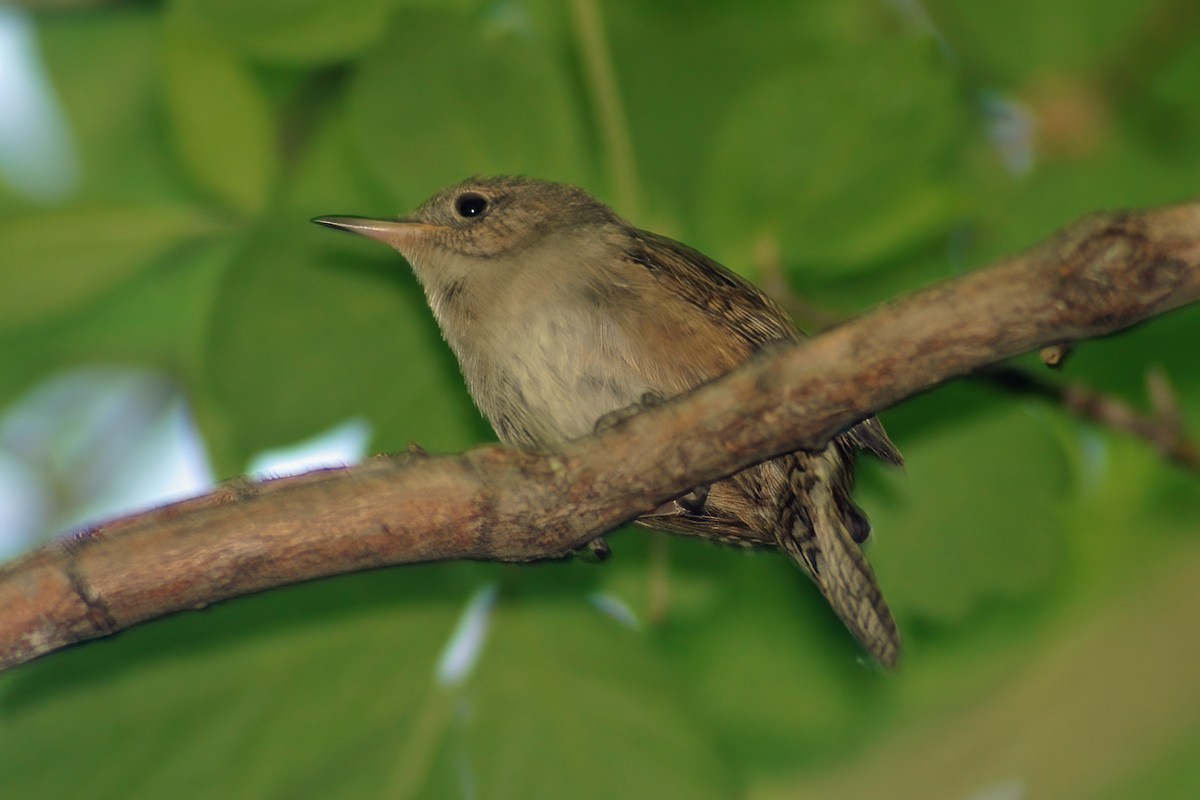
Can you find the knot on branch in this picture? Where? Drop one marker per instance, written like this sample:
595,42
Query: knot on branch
1115,269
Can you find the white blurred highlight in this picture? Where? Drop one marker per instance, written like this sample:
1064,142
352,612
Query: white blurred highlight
37,156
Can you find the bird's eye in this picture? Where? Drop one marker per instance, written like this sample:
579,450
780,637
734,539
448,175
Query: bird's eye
470,204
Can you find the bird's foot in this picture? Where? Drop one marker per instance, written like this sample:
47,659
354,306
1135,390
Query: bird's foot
613,418
596,551
694,500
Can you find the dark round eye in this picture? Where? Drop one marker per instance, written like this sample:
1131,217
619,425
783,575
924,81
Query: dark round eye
470,204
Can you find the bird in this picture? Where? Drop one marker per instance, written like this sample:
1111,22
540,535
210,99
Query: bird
562,314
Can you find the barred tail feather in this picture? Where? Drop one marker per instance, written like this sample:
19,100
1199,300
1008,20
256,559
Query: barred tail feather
821,541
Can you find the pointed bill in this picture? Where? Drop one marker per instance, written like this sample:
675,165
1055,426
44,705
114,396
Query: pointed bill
394,232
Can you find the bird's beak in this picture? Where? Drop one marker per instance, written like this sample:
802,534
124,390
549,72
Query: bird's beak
398,233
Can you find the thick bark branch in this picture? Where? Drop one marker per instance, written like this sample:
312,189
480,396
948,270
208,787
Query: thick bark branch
1101,275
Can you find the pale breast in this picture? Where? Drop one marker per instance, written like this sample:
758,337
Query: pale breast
584,343
563,372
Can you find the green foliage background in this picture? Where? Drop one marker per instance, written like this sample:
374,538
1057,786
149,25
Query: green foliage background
1044,570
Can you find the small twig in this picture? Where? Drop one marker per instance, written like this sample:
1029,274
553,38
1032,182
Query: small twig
1164,399
658,582
1055,355
1164,431
601,78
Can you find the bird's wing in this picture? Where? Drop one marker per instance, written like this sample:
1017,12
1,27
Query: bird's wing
731,305
727,301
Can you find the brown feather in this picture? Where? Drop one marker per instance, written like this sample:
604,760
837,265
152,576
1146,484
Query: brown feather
799,502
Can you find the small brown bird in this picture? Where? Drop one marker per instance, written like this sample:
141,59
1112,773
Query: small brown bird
561,312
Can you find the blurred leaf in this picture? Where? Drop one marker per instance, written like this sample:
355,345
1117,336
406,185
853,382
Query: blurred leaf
784,162
767,661
56,262
678,101
1013,215
296,31
1009,41
1165,116
309,332
221,122
312,327
565,703
446,96
975,517
308,691
1096,706
1172,775
107,71
157,320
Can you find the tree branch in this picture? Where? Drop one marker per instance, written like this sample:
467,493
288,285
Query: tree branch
1164,428
1098,276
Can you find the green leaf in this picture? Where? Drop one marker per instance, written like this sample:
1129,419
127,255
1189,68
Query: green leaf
1013,40
681,70
1105,703
1166,117
57,262
312,327
310,691
114,113
446,96
837,196
158,320
976,516
220,119
769,664
566,703
1171,771
296,32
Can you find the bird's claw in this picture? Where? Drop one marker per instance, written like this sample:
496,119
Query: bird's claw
596,551
613,418
694,500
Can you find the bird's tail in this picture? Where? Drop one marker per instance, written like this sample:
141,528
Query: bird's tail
822,538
